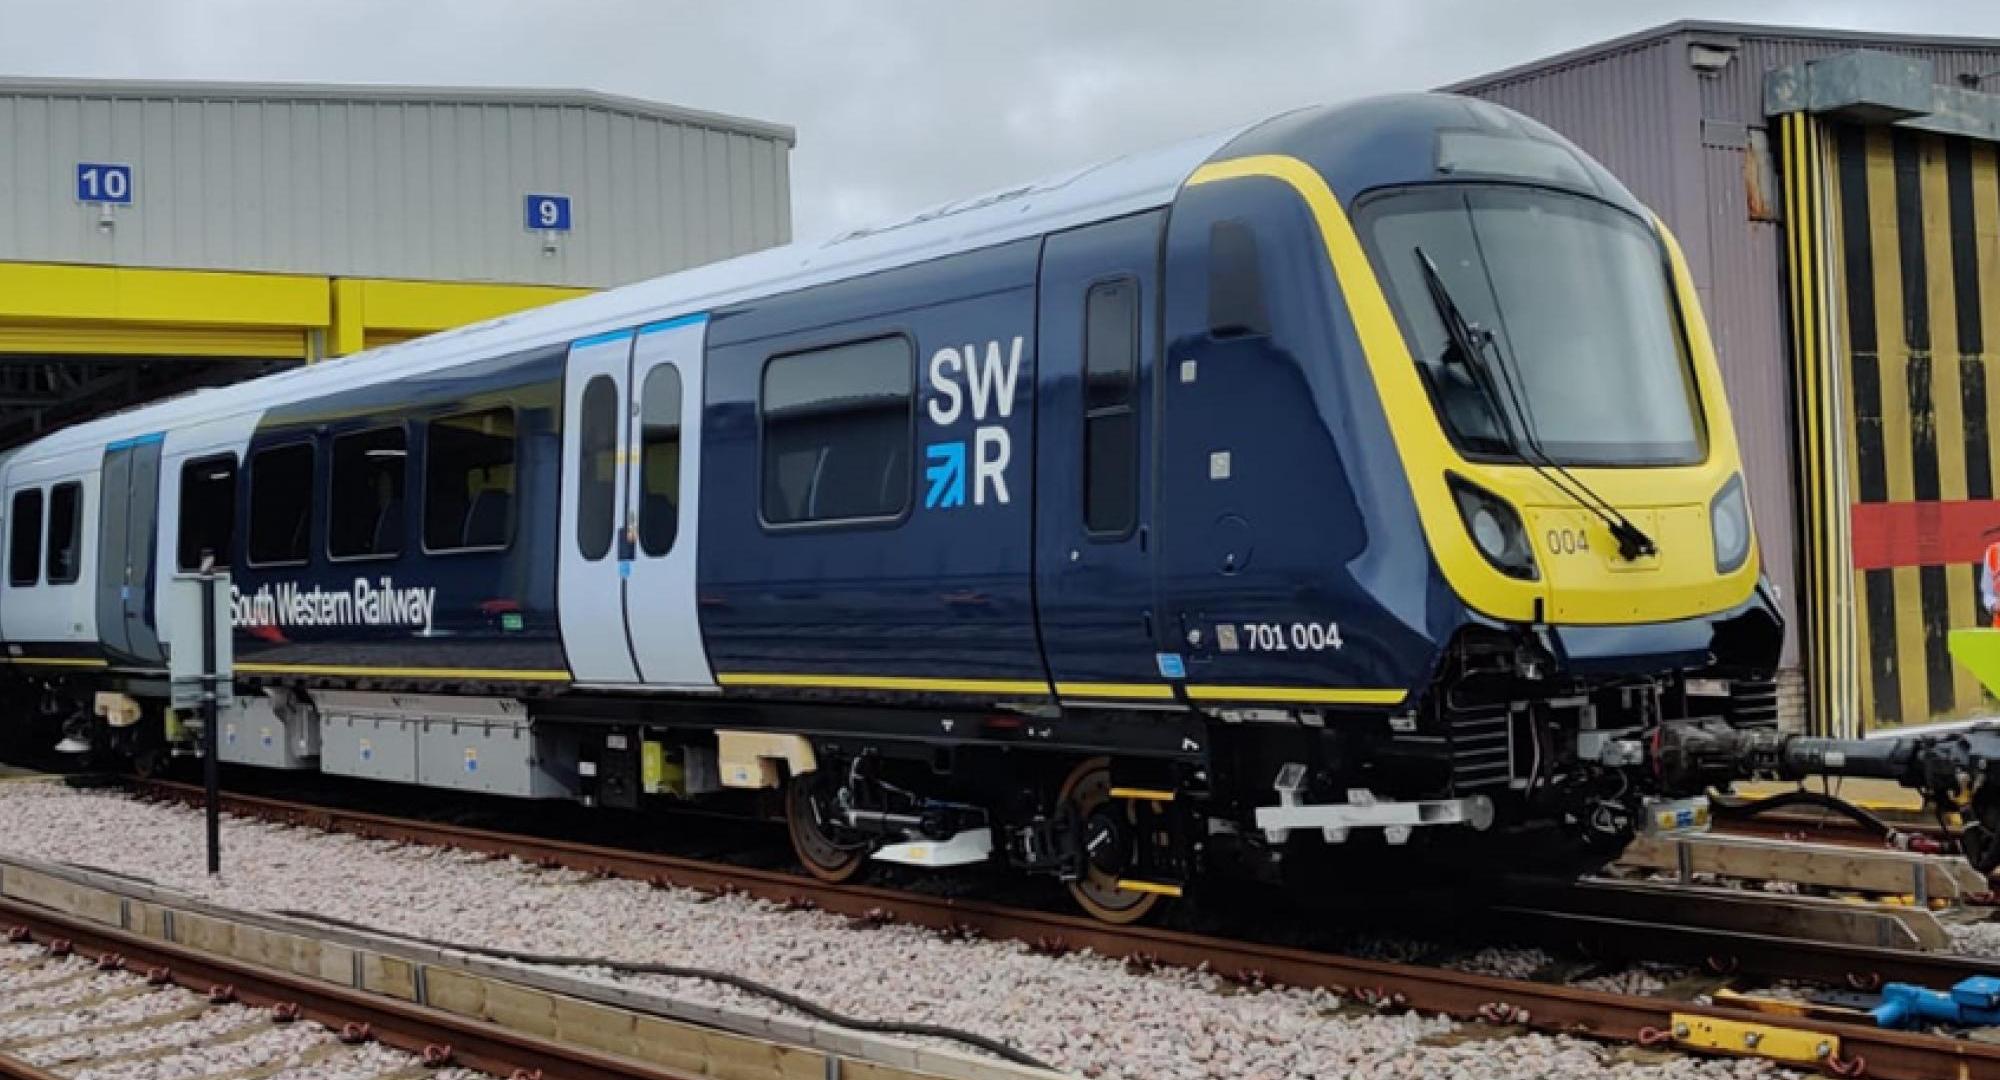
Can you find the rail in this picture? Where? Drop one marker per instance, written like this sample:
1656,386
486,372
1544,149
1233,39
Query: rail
432,1034
1569,1010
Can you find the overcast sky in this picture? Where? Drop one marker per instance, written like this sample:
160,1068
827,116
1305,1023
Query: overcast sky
897,105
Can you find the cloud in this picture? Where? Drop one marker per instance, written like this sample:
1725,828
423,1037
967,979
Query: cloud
897,104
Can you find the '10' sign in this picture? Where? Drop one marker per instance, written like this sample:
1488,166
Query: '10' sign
97,182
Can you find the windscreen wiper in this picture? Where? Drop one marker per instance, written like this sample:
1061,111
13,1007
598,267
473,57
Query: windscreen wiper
1472,344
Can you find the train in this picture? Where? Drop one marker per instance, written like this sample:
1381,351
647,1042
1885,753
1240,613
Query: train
1359,480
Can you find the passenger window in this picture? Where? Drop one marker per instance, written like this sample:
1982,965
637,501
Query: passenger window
1110,428
469,481
365,511
1236,306
837,433
660,461
65,533
597,469
208,511
24,543
281,498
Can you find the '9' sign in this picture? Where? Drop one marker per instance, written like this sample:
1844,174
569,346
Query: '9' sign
548,213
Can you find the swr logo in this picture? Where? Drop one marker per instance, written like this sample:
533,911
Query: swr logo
958,377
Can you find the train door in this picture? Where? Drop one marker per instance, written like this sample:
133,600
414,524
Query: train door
590,582
626,589
1099,335
664,460
128,524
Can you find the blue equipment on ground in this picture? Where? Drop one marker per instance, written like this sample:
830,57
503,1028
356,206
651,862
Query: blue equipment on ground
1974,1002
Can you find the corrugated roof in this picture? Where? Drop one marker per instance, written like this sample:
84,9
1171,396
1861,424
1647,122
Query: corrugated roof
429,95
1643,38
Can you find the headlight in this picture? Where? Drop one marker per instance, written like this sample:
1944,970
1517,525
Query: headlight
1729,521
1495,528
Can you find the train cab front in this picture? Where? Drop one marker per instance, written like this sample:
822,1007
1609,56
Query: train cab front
1552,396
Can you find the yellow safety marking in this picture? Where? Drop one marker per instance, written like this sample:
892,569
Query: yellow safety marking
1866,792
1298,694
1579,591
368,312
47,292
59,661
1142,794
1828,575
148,339
1754,1039
122,311
360,671
1724,995
1149,887
1128,691
883,682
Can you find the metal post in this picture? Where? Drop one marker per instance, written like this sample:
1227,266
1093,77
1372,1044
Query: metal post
210,741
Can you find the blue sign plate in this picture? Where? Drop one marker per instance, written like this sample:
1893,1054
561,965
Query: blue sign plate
98,182
548,213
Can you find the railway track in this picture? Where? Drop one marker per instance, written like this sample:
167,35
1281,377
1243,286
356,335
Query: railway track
1841,1048
131,964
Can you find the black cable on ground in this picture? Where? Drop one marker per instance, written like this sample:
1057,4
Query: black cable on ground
108,872
1750,808
675,971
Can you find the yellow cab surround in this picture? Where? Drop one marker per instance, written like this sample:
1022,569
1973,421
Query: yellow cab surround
1593,587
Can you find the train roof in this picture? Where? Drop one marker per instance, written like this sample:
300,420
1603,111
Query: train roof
1110,189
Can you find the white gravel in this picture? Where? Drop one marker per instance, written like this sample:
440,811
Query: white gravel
1503,961
1642,980
1975,939
1082,1013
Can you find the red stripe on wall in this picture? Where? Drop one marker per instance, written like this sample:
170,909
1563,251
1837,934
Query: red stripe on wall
1923,533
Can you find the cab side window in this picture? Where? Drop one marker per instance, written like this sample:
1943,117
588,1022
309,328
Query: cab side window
1110,431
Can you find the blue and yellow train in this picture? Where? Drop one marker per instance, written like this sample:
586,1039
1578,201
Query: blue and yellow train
1359,478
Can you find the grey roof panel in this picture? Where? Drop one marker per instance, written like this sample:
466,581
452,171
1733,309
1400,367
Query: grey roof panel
1700,27
172,89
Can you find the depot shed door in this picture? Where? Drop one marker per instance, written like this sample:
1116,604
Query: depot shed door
631,453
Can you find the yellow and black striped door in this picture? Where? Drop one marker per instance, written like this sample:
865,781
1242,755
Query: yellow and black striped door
1917,222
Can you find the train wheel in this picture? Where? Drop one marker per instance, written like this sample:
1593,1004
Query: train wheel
824,857
1088,789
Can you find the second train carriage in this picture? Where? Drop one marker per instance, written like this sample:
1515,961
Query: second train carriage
1363,474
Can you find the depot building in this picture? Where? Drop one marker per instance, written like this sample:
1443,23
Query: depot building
159,237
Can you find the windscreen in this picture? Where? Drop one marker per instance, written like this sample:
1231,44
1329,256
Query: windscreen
1575,294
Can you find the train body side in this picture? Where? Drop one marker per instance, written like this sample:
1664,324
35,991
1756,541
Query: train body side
876,544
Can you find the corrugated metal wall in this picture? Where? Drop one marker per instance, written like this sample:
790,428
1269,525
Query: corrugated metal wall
379,184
